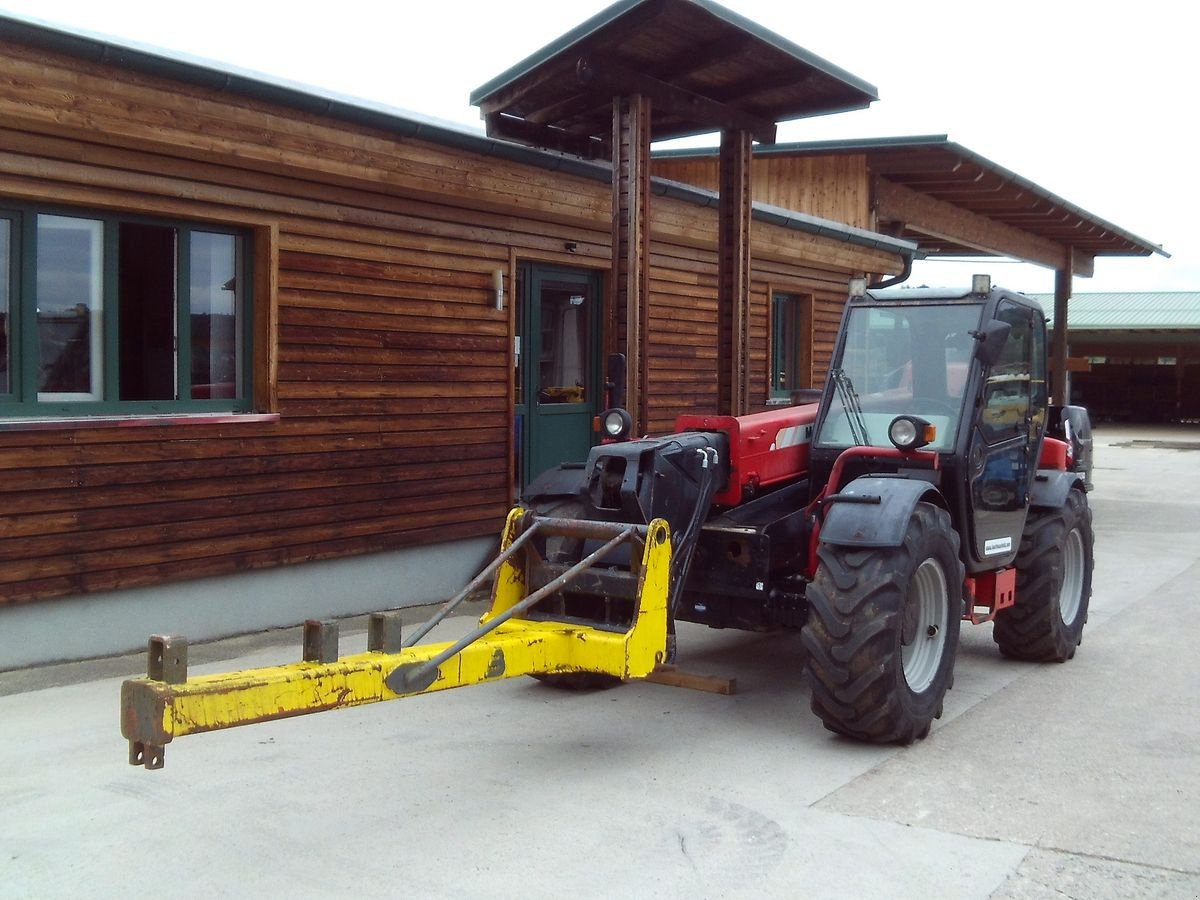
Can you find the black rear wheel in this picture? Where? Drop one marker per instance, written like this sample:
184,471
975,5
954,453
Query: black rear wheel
882,631
1054,585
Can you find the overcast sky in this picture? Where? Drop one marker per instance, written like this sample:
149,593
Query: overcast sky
1094,101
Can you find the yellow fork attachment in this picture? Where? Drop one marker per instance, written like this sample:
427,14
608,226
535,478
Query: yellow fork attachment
167,704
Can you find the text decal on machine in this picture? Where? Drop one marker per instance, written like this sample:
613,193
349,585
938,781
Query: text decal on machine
997,545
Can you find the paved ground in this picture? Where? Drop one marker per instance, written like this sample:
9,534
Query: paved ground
1079,780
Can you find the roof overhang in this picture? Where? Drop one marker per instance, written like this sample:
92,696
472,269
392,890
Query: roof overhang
704,68
952,202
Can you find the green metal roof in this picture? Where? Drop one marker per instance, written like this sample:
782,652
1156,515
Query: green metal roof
1147,311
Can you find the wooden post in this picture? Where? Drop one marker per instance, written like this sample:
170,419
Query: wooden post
631,245
1058,355
733,300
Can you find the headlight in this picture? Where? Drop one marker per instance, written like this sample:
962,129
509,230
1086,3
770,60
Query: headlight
615,424
911,432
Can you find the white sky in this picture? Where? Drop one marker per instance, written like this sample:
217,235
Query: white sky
1093,101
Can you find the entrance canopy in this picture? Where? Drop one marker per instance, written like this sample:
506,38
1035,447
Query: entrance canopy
703,67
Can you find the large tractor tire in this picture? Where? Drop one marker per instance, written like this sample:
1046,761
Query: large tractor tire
1054,585
882,631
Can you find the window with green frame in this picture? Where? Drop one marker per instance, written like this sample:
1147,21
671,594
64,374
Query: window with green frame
104,314
789,343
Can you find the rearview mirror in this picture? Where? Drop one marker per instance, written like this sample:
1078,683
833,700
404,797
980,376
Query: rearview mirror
991,339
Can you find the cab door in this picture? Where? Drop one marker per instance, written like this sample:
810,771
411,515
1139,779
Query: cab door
557,372
1008,437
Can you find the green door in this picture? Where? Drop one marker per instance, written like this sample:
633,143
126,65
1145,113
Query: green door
557,373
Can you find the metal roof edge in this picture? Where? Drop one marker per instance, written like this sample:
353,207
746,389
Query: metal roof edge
926,140
614,12
779,42
230,79
847,146
549,51
1026,183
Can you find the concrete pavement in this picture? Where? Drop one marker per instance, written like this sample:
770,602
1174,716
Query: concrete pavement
1076,780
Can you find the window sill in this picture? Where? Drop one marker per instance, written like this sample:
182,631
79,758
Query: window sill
65,423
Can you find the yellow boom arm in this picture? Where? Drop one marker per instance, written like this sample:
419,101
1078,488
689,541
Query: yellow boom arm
167,704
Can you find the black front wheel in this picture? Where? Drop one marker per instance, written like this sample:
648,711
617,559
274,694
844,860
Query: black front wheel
882,631
1054,585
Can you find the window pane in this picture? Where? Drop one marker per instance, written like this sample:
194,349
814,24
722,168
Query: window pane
893,363
216,315
5,283
146,311
69,285
563,363
788,344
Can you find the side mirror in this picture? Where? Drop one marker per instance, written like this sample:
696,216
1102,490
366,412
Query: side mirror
990,341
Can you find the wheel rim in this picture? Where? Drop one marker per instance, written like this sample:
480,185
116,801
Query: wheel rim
923,639
1071,596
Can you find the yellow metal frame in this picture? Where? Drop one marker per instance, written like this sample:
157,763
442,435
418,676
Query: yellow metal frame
153,712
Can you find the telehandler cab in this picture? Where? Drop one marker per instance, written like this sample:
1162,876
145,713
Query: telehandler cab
932,483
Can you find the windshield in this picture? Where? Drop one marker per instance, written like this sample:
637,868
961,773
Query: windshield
900,359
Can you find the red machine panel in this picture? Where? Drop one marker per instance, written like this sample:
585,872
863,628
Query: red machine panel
766,447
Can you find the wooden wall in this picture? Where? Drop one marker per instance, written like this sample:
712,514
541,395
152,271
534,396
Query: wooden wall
833,187
382,367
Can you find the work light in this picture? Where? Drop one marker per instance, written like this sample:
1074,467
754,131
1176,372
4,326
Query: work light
911,432
616,423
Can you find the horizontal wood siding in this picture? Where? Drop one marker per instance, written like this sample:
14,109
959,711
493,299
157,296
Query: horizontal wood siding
833,187
385,359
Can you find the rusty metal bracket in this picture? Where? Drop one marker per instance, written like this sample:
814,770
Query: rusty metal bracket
166,663
384,633
320,641
166,658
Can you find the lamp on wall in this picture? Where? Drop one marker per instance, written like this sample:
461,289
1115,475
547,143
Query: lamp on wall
498,287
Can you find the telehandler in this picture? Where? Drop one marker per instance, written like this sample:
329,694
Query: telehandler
932,483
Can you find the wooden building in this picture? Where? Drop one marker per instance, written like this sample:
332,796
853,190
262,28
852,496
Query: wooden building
247,326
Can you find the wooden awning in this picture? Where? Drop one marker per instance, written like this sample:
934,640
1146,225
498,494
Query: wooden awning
703,67
952,202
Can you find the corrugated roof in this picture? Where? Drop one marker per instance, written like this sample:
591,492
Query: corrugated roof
219,77
1134,311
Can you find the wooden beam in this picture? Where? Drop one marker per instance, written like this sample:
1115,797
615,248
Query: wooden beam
928,215
733,267
673,677
631,244
1059,376
689,105
700,56
525,132
760,84
514,93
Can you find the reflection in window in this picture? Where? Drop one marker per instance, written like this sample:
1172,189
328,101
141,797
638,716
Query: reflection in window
215,315
1015,380
69,291
562,376
901,360
139,316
